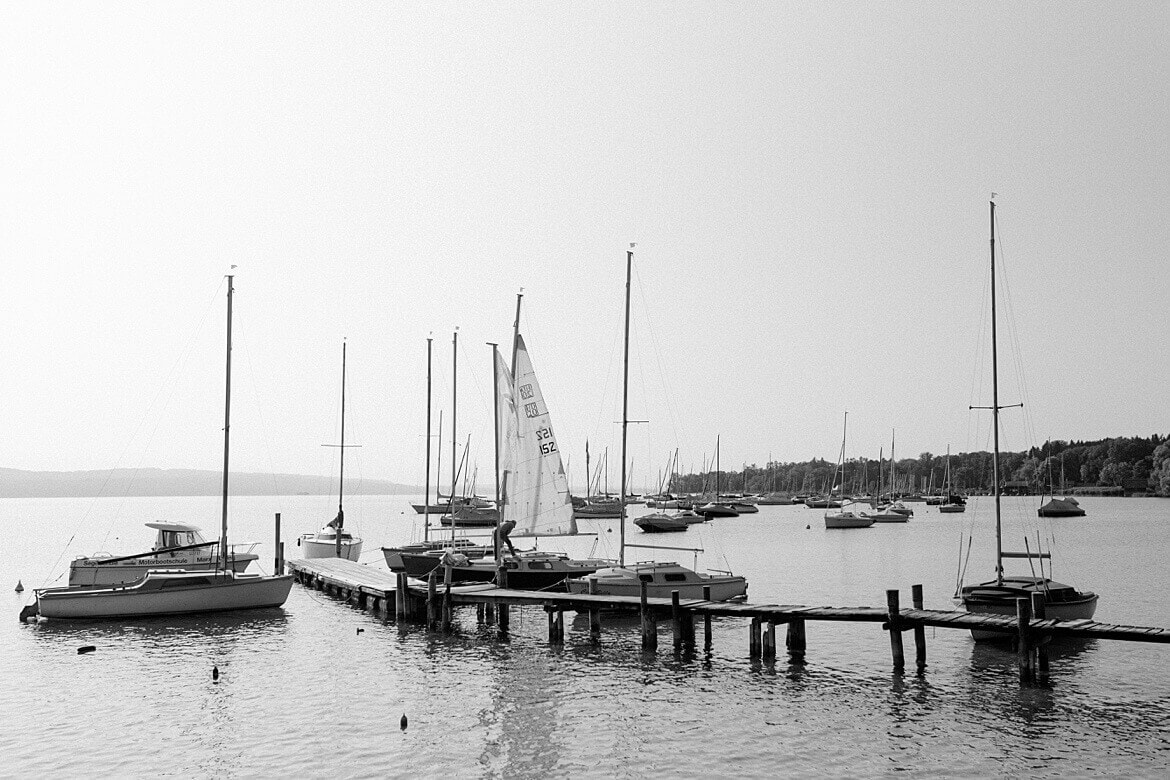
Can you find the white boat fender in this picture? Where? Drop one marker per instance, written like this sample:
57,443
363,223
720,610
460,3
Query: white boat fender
19,587
215,673
86,649
402,722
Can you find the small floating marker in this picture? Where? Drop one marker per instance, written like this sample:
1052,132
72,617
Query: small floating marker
808,527
402,722
215,673
19,587
360,630
86,649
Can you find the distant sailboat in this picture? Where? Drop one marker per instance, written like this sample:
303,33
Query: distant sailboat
843,518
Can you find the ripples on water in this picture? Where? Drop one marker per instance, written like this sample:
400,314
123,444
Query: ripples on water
304,691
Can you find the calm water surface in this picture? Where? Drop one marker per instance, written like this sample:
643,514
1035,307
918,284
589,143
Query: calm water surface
318,688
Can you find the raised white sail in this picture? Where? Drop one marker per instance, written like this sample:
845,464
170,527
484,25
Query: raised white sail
536,492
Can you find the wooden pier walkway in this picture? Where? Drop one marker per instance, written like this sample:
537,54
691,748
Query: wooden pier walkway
376,588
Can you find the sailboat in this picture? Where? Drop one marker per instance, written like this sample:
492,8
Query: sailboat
660,578
165,591
534,492
333,541
716,507
1059,507
953,503
893,511
843,518
998,596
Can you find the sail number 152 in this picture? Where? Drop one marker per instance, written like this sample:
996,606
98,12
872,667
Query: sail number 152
547,443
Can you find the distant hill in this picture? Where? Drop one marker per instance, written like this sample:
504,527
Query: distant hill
15,483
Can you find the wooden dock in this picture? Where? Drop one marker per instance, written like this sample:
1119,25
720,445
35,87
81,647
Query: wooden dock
376,588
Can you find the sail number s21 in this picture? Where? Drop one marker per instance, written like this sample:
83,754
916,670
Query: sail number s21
547,443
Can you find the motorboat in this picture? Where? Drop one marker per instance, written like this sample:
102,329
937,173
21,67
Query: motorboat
660,522
176,546
847,519
1061,507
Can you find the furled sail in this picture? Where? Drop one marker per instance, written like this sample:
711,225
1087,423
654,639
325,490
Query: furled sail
536,492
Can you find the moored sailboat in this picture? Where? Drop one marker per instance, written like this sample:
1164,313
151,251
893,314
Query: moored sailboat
174,591
659,578
999,596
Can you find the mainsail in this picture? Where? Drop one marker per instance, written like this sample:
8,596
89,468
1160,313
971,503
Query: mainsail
536,492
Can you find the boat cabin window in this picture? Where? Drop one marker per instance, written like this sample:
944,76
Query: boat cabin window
539,565
646,577
674,577
185,582
178,538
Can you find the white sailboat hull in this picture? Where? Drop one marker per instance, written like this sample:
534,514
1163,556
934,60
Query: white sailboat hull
166,592
664,578
313,546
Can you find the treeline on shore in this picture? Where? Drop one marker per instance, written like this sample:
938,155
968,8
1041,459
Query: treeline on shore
1119,466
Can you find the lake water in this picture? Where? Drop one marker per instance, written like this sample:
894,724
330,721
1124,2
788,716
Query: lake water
318,688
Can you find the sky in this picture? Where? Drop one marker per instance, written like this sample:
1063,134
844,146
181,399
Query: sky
806,186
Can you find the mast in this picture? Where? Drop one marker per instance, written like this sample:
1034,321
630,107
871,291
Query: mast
995,414
341,475
625,409
427,487
454,408
227,416
717,474
496,428
515,333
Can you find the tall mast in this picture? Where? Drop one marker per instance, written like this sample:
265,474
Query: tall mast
718,475
625,409
427,487
454,407
341,475
227,416
496,428
515,332
995,413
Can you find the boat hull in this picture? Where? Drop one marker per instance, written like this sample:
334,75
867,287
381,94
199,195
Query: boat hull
664,578
127,569
847,520
163,592
1063,602
314,547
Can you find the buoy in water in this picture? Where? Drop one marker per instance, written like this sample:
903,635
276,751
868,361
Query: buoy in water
807,527
215,673
402,722
360,630
19,587
86,649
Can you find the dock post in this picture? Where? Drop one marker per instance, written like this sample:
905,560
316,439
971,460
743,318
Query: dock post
1040,613
399,596
447,598
649,626
278,564
769,648
502,609
552,624
560,626
796,640
479,612
754,638
594,614
432,601
919,631
1024,639
706,619
676,619
893,617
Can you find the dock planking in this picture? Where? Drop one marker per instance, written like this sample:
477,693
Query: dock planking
377,587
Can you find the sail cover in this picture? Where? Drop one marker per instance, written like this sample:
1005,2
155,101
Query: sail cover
536,492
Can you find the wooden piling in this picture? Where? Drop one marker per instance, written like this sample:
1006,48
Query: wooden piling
796,640
432,601
769,648
552,624
1024,639
706,619
893,617
278,548
754,638
1040,613
676,619
502,611
594,614
919,631
649,624
560,626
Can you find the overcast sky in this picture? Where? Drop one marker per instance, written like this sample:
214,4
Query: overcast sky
806,183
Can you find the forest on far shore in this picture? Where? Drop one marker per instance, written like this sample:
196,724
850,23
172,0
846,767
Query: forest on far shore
1119,466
